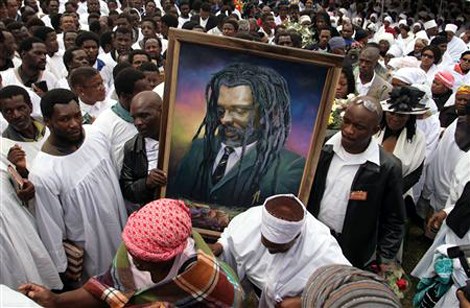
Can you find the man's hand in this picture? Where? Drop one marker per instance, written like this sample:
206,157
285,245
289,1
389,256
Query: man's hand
217,249
155,178
290,302
436,220
17,157
27,192
464,303
39,294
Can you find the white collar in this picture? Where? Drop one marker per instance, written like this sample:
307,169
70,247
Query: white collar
371,154
238,150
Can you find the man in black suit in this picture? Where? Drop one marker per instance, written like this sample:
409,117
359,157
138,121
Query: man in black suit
205,18
357,190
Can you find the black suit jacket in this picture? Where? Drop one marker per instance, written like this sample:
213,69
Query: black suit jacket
375,224
211,23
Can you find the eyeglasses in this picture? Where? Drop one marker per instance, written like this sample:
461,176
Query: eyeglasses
369,106
426,55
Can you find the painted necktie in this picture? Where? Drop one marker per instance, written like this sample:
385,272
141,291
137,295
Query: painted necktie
220,169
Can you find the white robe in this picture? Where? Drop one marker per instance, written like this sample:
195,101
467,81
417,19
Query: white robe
22,253
446,238
78,198
455,48
440,169
118,131
277,275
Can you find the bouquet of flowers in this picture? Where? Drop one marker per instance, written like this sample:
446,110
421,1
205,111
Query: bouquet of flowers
304,31
337,112
396,279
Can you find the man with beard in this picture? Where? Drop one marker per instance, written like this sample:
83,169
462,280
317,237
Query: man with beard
368,82
55,62
31,74
78,198
241,160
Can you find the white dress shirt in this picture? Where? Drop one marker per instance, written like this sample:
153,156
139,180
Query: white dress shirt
343,169
234,156
363,88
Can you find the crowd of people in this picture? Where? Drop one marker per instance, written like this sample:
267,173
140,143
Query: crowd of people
82,221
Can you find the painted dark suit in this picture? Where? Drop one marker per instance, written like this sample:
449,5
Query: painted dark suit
193,181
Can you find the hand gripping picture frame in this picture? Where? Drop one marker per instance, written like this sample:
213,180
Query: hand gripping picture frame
241,121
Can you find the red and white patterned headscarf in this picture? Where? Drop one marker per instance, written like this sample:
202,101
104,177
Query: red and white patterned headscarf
158,231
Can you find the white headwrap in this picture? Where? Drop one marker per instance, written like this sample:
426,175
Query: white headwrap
387,37
278,230
430,24
451,27
410,75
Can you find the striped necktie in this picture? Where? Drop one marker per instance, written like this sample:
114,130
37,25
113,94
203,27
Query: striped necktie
220,169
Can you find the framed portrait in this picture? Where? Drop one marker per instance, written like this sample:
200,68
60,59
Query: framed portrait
241,121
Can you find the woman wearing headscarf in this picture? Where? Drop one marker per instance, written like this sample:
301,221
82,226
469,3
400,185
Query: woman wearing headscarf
419,44
442,88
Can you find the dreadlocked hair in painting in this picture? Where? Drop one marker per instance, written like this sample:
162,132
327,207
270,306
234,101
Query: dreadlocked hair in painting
272,105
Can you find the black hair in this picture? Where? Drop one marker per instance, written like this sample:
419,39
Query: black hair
81,75
54,97
126,79
348,72
68,56
150,20
10,91
170,20
148,67
189,25
464,54
122,30
271,94
42,32
206,7
119,67
86,36
106,39
435,51
135,52
28,43
438,40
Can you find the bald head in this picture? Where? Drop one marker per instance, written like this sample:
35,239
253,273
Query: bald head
285,208
147,98
146,110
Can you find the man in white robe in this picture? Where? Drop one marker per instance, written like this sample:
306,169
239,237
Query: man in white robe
455,45
22,253
277,246
116,122
77,190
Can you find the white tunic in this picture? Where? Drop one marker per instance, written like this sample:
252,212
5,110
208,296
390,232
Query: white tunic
22,253
440,168
455,48
118,131
283,274
78,198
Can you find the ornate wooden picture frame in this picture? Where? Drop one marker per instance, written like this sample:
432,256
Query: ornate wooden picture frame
268,104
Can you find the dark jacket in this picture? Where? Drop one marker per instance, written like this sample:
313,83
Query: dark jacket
211,22
134,172
375,224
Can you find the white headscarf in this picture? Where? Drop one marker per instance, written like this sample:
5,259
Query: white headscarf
411,76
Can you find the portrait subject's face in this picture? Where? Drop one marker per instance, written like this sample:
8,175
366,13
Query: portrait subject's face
236,113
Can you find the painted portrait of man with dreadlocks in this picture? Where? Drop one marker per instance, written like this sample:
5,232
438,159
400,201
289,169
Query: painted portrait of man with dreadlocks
238,157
